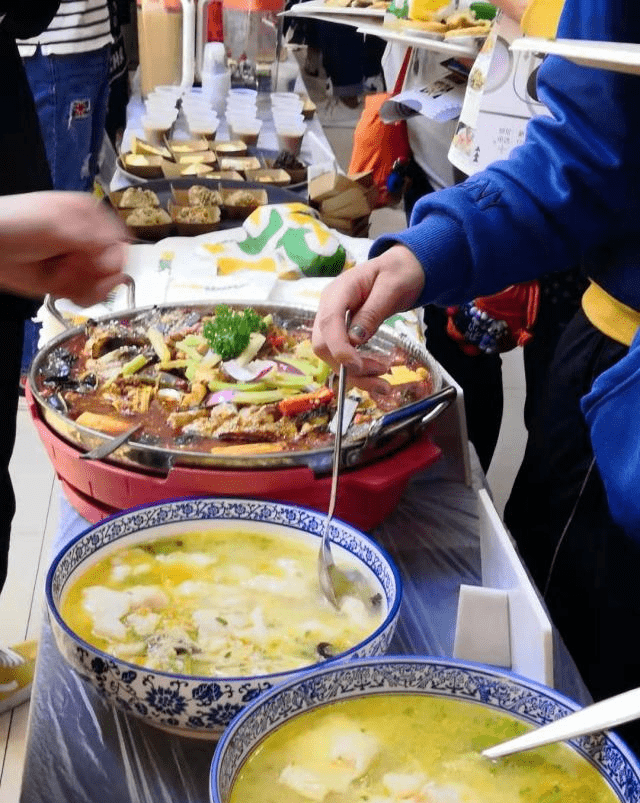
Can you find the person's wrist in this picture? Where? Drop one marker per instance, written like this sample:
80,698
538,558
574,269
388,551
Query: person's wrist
408,271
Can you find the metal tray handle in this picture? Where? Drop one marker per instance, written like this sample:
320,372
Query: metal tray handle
50,302
423,411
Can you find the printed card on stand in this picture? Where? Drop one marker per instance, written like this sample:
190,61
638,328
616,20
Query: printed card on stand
441,99
499,102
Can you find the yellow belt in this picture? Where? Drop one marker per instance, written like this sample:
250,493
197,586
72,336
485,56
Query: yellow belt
610,316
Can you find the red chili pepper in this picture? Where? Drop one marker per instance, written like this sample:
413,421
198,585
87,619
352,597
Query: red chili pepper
303,402
276,341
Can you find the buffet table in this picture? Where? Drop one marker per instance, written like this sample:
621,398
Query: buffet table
444,536
82,750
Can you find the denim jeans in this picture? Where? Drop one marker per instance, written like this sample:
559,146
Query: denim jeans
71,94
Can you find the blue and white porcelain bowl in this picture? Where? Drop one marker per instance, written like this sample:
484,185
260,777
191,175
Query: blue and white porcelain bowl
201,706
499,690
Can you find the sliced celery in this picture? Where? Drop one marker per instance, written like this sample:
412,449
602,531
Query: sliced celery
283,380
216,384
323,373
190,370
304,366
138,362
171,364
194,340
258,397
191,351
304,351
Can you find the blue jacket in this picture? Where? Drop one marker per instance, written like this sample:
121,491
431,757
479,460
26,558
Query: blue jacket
611,411
570,193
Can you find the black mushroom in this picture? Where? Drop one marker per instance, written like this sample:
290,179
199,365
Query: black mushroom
326,650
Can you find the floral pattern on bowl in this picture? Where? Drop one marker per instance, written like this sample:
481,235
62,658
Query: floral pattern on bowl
445,677
199,706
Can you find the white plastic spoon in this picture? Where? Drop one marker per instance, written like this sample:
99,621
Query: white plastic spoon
596,717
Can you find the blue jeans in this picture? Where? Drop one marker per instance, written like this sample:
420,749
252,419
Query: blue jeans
71,94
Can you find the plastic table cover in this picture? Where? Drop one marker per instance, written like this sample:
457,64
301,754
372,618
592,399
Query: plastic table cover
80,749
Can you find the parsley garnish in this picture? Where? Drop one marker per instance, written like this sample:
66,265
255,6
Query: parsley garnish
228,333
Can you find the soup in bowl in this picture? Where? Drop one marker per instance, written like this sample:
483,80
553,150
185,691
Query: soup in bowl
184,611
410,730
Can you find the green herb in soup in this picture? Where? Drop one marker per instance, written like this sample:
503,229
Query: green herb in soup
216,603
410,749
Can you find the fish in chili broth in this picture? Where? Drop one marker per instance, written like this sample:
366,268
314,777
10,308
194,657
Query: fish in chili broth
220,380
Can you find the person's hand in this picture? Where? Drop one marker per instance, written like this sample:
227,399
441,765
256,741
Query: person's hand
512,8
373,291
62,243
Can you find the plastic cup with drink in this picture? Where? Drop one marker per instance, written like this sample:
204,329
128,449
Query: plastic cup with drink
156,127
245,128
290,134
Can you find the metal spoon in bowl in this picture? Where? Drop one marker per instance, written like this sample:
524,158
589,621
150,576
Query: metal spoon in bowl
331,578
596,717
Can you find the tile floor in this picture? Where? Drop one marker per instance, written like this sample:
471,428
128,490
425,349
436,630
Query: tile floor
21,603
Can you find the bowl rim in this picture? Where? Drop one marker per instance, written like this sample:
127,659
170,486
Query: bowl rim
354,664
273,677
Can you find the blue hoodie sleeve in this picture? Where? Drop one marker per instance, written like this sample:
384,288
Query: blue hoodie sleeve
571,188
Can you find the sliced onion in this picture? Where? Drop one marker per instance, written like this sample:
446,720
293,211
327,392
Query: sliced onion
219,397
250,372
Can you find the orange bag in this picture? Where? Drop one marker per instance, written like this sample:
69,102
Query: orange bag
377,145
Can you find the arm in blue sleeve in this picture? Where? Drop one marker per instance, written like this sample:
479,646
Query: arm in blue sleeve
571,188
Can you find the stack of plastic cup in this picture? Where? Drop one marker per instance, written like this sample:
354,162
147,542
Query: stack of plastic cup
242,115
242,100
286,109
201,119
161,111
215,75
203,124
286,101
244,126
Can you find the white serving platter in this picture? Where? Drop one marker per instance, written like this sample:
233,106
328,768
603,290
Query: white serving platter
344,19
321,7
464,49
369,22
617,56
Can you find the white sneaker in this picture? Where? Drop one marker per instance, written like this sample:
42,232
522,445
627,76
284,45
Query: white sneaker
336,114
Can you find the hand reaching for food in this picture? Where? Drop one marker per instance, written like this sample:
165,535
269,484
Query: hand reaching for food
62,243
372,290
